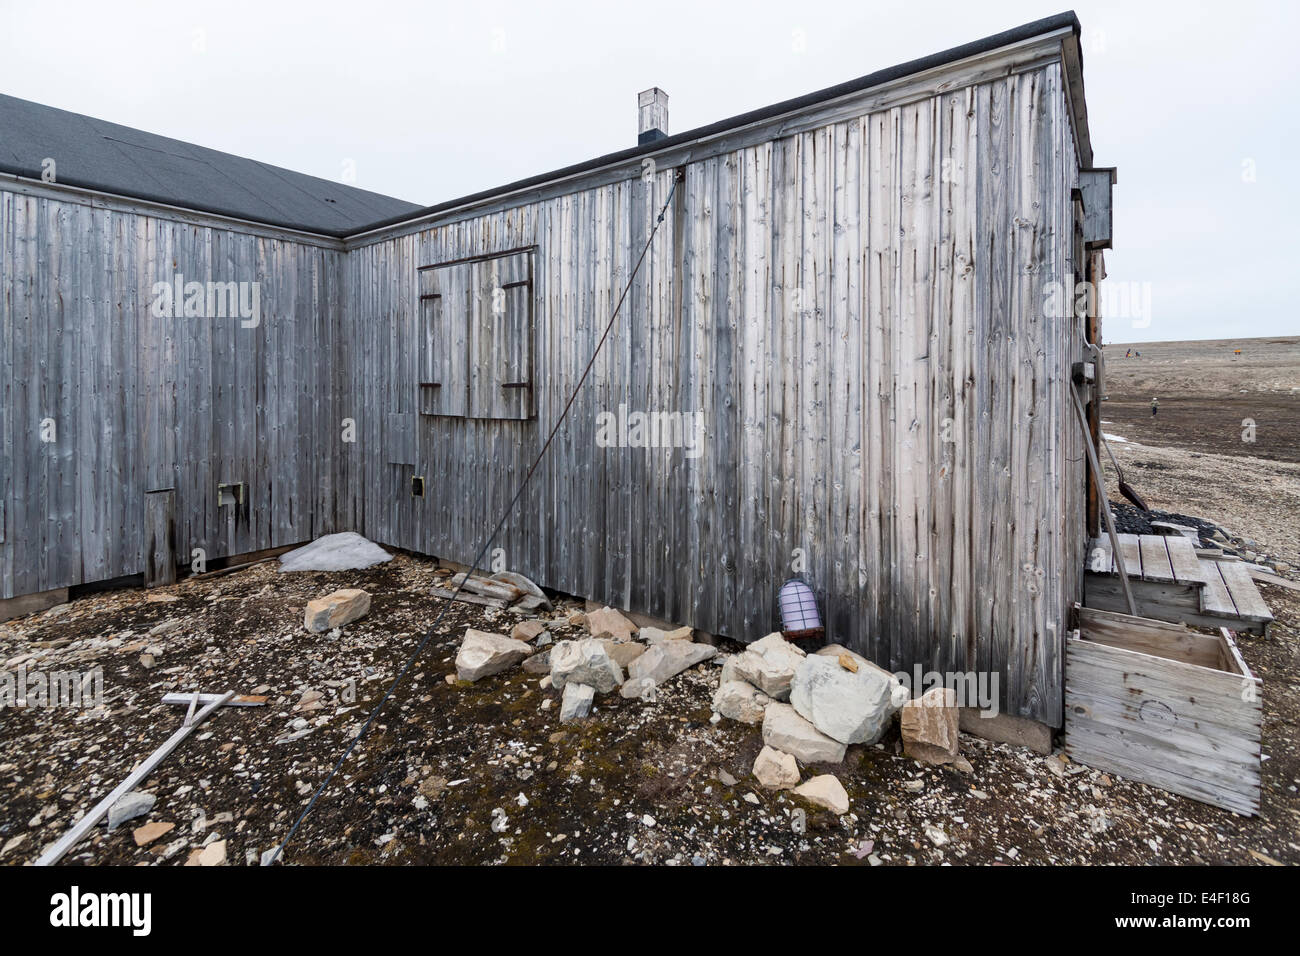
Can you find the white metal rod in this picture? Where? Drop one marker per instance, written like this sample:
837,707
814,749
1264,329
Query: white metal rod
1105,502
86,823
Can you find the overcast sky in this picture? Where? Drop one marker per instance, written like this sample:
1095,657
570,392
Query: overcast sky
1196,105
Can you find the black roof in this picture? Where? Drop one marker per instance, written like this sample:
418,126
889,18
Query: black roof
93,154
117,159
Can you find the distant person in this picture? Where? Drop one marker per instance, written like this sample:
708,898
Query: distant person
1155,406
1128,354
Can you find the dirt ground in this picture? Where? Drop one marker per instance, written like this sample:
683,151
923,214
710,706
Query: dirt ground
636,783
1209,396
485,773
1192,456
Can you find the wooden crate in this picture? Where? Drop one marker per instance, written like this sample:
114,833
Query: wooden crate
1163,705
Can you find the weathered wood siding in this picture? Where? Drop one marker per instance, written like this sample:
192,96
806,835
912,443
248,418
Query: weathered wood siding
853,296
857,309
143,403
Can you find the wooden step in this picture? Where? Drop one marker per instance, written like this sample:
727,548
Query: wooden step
1176,584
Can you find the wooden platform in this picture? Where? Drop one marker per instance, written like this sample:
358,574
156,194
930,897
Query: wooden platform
1171,583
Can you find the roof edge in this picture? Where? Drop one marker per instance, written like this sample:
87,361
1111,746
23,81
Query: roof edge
987,44
1024,32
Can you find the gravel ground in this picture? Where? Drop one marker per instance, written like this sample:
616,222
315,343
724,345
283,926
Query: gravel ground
635,783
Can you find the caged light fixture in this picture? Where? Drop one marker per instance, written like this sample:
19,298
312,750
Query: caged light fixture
799,617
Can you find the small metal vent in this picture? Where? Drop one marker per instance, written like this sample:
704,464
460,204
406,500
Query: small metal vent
230,493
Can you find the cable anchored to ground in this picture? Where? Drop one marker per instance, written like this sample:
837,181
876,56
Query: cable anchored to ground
505,516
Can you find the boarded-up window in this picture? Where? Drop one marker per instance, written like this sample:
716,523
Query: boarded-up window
476,337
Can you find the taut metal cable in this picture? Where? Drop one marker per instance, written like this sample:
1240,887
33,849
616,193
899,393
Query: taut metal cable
505,515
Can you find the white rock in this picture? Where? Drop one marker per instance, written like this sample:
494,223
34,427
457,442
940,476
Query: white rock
669,659
129,806
769,664
852,707
740,701
335,552
482,654
655,635
584,662
785,730
577,701
834,651
638,687
776,770
936,835
825,791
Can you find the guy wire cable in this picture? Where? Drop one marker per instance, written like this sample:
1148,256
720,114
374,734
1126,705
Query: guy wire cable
448,601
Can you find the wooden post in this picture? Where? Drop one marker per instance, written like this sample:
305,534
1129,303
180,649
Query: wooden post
159,537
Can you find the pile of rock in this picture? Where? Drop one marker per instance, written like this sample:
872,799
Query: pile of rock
613,657
813,706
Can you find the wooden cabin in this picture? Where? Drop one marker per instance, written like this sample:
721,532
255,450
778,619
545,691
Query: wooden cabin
849,295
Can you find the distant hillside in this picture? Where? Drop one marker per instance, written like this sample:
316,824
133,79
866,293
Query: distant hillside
1203,368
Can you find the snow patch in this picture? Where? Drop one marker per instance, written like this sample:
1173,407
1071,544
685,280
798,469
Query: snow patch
347,551
1115,438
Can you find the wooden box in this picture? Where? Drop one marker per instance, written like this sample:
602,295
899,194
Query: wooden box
1163,705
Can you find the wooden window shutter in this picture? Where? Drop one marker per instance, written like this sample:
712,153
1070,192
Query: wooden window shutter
476,338
501,343
445,308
